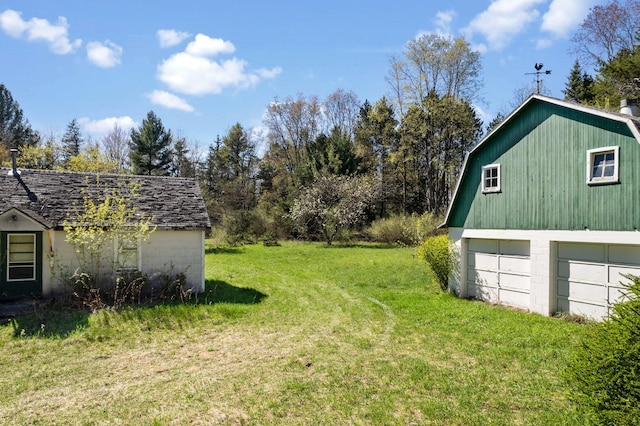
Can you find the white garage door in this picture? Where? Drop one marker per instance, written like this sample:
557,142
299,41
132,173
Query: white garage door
499,271
589,276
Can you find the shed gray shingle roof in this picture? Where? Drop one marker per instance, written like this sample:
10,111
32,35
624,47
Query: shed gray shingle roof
175,203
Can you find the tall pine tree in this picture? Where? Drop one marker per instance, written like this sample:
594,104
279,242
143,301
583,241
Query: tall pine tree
579,86
150,147
15,130
71,141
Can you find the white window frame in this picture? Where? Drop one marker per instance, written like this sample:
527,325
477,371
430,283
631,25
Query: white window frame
591,155
490,189
119,247
23,263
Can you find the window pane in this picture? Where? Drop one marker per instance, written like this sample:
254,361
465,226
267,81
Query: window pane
597,171
608,171
21,273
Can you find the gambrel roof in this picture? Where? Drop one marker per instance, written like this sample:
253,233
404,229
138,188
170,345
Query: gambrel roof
53,197
514,127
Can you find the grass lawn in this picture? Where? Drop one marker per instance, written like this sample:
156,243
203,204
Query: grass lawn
294,334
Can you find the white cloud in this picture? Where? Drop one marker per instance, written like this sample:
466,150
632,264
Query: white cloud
37,29
564,16
443,21
543,43
193,72
105,125
206,46
169,100
104,55
503,20
169,38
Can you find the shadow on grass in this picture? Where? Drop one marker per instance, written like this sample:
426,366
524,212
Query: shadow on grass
49,322
60,321
223,250
382,246
217,291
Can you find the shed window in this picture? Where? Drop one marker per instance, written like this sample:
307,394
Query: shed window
491,178
602,165
21,257
127,255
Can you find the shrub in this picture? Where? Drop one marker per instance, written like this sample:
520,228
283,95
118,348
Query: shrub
438,253
404,229
604,373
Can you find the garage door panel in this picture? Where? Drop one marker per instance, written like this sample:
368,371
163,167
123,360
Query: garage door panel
486,262
486,278
483,292
616,273
594,293
521,283
515,247
515,298
521,265
562,290
582,271
616,294
581,251
482,245
624,254
584,309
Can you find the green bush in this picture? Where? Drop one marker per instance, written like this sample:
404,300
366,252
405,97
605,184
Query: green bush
604,374
439,254
409,230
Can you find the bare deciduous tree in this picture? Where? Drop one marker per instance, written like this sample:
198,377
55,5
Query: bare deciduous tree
116,147
606,31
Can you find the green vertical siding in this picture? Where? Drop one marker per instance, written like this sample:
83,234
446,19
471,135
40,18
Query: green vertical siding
542,152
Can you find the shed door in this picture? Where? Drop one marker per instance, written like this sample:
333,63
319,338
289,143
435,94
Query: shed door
499,271
21,269
589,276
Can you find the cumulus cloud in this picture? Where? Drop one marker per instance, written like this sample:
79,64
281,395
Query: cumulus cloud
169,100
564,16
194,72
543,43
503,20
206,46
105,125
169,38
37,29
443,21
104,55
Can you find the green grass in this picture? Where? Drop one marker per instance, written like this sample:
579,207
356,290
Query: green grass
293,334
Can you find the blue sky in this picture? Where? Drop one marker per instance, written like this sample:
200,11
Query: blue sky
203,66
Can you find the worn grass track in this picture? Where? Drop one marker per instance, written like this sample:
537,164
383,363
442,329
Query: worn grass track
297,334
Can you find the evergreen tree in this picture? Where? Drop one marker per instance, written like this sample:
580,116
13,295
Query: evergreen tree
499,118
182,165
150,147
15,130
376,137
435,137
579,86
71,141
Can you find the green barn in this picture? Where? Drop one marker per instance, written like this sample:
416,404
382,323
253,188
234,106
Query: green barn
547,210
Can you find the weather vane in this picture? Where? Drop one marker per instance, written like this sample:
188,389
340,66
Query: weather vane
538,73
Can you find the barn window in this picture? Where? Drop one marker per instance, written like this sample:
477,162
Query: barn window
491,178
602,165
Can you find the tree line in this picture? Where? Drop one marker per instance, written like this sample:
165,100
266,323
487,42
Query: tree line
400,155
